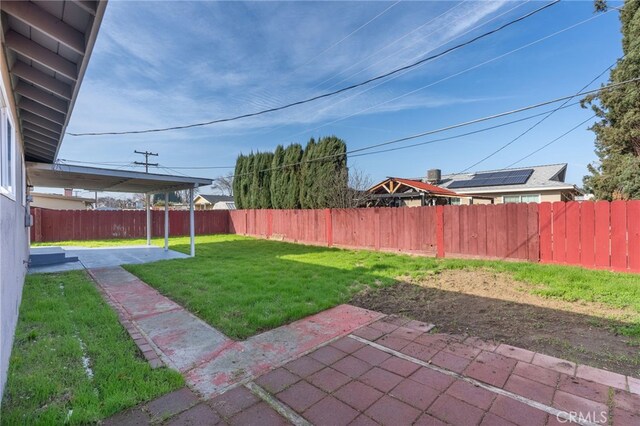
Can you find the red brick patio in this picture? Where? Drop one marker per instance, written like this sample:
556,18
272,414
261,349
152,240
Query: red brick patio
392,372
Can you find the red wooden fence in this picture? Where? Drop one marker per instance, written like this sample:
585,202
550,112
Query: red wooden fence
61,225
595,235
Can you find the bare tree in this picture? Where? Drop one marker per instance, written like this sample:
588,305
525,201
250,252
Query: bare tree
352,191
223,184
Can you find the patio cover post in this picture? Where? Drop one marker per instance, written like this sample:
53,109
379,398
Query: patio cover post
147,201
192,229
166,221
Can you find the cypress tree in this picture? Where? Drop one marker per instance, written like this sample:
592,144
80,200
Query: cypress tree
264,182
331,170
237,182
278,185
308,175
247,178
291,177
617,176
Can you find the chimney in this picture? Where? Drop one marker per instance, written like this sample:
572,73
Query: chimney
434,176
68,192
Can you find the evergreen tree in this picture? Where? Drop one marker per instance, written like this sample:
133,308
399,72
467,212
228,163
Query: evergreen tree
247,177
237,182
174,198
278,186
307,175
617,176
291,177
331,170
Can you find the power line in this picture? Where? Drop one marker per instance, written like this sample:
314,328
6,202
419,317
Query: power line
146,162
332,93
538,122
442,79
553,141
454,126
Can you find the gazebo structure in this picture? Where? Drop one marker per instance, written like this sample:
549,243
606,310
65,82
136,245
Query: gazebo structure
127,181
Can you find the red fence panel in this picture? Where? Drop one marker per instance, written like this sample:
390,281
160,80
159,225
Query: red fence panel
602,235
587,235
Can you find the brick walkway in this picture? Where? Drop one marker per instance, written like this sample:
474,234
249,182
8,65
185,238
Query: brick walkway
392,372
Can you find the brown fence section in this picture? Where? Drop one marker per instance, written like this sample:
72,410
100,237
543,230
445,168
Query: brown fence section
62,225
595,235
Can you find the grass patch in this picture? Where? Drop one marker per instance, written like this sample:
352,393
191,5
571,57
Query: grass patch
63,319
244,286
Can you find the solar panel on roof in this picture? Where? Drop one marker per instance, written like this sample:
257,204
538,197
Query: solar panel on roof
508,177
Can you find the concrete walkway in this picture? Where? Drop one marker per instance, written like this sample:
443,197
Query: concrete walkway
210,361
105,257
347,365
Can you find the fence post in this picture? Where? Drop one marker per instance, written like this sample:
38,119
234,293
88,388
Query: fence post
37,224
269,223
440,230
329,227
376,228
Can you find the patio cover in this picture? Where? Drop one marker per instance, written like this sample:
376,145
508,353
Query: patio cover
111,180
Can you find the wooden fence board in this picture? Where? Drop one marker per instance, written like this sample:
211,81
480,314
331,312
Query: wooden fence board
619,235
587,235
559,224
633,223
602,234
572,210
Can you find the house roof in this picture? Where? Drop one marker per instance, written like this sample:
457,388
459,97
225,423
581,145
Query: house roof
411,184
48,44
63,197
214,198
543,177
97,179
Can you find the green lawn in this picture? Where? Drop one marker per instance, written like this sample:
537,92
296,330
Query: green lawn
64,320
244,286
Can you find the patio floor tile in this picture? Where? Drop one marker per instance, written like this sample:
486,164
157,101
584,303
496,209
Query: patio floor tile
428,420
405,333
331,411
399,366
391,412
602,376
371,355
431,378
358,395
450,362
625,418
352,366
419,351
363,420
553,363
259,414
419,326
200,415
474,395
232,402
277,380
327,355
301,396
380,379
393,342
491,419
517,412
369,333
537,373
514,352
462,350
634,385
491,368
415,394
485,345
573,403
172,403
329,379
383,326
454,411
584,388
627,401
304,366
530,389
347,345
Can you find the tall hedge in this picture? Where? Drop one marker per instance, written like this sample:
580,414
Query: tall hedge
291,177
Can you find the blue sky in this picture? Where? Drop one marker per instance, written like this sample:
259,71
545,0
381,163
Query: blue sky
158,64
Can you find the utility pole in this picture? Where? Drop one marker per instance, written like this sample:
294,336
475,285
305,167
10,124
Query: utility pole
146,163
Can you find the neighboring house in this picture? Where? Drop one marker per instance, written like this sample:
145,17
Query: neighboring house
224,205
401,192
61,202
533,184
208,201
46,47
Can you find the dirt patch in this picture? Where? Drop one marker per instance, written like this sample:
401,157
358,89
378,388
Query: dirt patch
494,306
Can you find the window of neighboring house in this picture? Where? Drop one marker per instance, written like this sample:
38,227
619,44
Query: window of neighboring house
521,198
8,155
455,201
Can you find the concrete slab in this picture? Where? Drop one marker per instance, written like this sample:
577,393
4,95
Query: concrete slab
106,257
182,338
259,354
